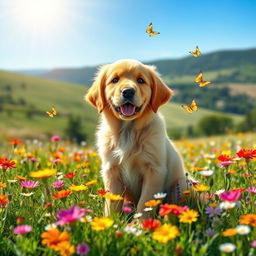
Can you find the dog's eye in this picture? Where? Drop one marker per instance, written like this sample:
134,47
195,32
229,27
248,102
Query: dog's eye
140,80
115,80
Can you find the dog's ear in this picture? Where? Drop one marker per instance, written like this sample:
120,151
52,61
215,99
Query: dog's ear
161,93
95,95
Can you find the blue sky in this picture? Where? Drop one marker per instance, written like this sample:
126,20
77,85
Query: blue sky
89,32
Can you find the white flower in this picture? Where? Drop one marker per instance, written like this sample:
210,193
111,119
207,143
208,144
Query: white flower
227,247
148,209
50,226
130,229
206,173
137,215
218,192
227,205
243,229
160,195
27,194
11,181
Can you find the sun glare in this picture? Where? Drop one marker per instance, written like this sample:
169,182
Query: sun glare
40,15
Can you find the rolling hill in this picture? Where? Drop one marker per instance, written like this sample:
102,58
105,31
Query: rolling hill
21,94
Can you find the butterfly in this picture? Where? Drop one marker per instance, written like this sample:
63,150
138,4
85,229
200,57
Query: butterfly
52,112
150,31
199,79
196,52
192,107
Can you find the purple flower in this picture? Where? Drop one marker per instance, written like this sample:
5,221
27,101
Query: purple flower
213,211
57,184
55,138
210,232
82,249
251,190
22,229
30,184
70,215
33,160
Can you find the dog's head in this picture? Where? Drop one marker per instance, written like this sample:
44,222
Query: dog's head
128,87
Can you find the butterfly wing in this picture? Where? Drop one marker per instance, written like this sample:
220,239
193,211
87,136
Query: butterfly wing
187,108
193,105
153,33
199,78
149,28
54,112
204,83
197,51
49,114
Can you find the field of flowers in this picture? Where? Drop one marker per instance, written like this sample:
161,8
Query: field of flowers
52,197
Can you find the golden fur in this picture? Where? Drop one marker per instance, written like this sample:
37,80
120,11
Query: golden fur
138,159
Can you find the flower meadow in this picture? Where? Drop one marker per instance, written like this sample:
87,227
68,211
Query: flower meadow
52,199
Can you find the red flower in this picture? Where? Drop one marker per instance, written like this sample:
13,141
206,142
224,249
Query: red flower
6,163
102,192
15,141
151,224
247,153
70,175
62,194
166,209
224,158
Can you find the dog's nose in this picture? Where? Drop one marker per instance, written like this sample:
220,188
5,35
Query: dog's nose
128,93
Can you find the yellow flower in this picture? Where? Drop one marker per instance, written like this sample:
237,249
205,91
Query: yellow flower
232,171
248,219
93,154
200,188
78,187
188,216
113,197
229,232
90,183
165,233
152,203
99,224
43,173
2,185
186,192
213,205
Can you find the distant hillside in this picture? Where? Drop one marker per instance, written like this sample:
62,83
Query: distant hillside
25,99
237,66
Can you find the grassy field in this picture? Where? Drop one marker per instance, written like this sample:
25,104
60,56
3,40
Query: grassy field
41,95
52,196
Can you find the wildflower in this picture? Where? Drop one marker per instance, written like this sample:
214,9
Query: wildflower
20,177
152,203
113,197
229,232
15,142
212,211
70,215
102,192
22,229
50,226
58,184
137,215
2,185
127,209
55,138
99,224
227,247
70,175
82,249
231,196
227,205
248,219
165,233
210,232
30,184
27,194
148,209
166,209
19,220
206,173
65,248
78,188
243,229
90,183
188,216
251,190
218,192
62,194
160,195
200,188
151,224
3,200
225,158
247,153
43,173
7,164
253,243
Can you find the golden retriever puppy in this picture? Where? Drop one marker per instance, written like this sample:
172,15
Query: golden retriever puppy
138,159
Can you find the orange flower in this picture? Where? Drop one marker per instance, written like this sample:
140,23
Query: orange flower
90,183
3,200
229,232
20,177
62,194
2,185
152,203
53,237
248,219
65,248
151,224
7,164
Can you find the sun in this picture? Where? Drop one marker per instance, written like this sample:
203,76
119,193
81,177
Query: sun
42,16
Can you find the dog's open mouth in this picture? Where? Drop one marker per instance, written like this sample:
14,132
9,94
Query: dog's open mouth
128,109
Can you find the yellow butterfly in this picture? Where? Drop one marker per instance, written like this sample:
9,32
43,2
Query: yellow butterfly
52,112
199,79
150,31
196,52
192,107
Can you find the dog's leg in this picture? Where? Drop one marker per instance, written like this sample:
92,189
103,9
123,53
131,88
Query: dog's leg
113,183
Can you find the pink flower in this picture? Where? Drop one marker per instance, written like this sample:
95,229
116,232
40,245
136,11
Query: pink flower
251,190
57,184
225,163
253,243
70,215
22,229
127,209
30,184
55,138
231,196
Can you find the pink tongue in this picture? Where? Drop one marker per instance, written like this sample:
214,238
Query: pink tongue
127,109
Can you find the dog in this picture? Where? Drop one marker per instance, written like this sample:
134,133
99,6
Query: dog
138,159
